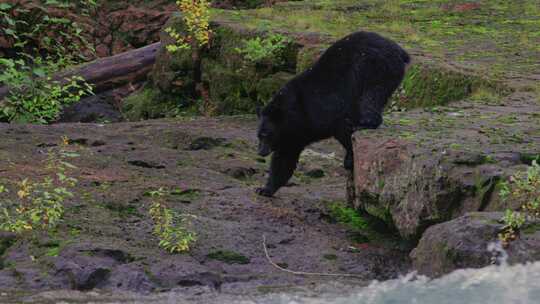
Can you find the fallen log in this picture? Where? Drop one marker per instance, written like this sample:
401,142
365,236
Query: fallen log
110,72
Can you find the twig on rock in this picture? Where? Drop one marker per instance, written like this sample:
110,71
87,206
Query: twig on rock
302,272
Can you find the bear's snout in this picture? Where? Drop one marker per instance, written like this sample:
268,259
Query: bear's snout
264,149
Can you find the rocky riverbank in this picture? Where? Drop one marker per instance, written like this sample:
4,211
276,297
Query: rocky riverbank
424,194
209,169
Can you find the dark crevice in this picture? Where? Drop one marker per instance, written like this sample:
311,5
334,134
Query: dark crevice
145,164
489,186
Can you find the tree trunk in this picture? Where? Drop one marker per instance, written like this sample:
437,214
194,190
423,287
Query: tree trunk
110,72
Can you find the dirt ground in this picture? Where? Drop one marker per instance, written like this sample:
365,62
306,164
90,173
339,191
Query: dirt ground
209,169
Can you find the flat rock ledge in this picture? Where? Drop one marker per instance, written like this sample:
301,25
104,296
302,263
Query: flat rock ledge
429,166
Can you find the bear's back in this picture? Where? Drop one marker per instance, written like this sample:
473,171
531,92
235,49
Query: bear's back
358,48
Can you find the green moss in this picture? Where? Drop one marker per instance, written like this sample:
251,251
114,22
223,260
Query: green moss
228,257
147,104
303,178
528,158
380,184
347,216
49,247
172,74
360,237
241,91
451,255
379,212
427,84
122,210
315,173
488,159
330,257
484,188
186,194
370,204
531,228
53,251
5,243
486,95
237,85
500,31
268,86
228,90
508,119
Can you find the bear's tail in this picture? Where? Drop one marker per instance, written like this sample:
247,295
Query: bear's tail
405,57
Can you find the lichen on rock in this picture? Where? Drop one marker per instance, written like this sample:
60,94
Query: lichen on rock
469,242
425,167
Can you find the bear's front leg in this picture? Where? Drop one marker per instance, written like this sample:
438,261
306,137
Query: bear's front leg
281,169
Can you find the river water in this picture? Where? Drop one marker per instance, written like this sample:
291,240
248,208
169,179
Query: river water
494,284
517,284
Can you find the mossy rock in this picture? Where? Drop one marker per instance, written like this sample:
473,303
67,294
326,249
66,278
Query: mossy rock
225,40
382,213
173,74
531,228
235,85
267,87
6,240
147,103
228,90
348,216
233,93
427,84
330,257
228,257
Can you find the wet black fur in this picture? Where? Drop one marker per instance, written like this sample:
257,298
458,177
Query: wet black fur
345,90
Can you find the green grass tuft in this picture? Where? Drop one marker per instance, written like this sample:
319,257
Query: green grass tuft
228,257
347,216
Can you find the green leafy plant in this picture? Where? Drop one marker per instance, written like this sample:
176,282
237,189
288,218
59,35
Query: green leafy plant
34,96
42,41
168,226
259,50
196,16
523,187
39,204
44,28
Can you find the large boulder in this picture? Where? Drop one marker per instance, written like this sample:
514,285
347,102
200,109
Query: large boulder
470,241
429,166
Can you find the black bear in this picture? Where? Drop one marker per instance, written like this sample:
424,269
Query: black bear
345,90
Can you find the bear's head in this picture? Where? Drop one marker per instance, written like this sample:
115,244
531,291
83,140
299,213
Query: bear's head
268,131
